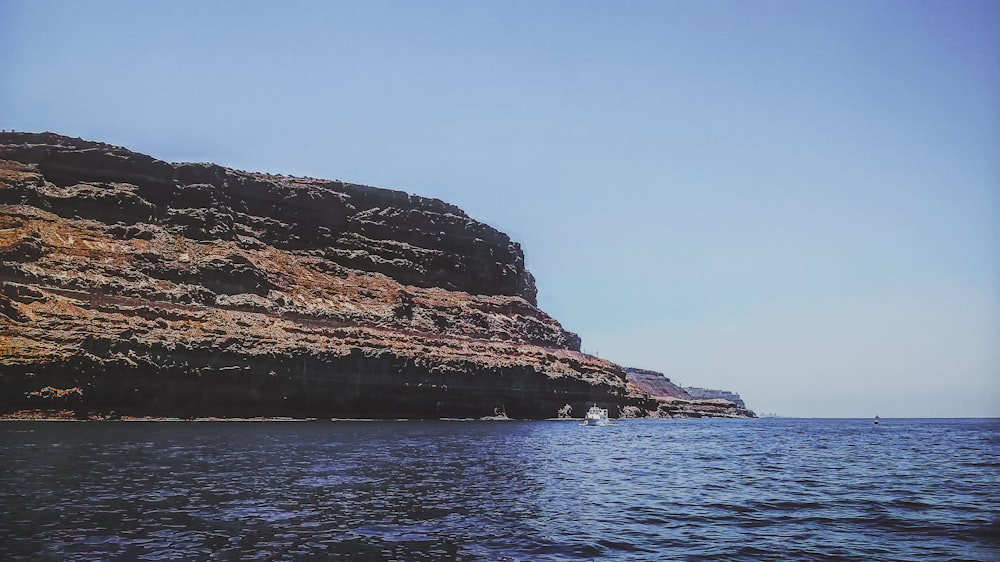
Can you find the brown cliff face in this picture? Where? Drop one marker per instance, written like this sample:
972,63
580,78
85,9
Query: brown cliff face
133,285
656,384
673,401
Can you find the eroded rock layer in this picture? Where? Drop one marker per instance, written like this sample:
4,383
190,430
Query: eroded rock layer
140,287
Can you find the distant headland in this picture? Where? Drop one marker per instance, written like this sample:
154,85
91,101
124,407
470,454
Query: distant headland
135,288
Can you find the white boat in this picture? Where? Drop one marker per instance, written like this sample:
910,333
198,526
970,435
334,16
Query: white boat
596,416
876,420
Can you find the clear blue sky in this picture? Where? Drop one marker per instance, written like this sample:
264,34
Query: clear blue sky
795,200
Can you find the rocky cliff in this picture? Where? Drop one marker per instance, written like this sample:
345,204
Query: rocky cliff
134,286
709,394
656,384
679,402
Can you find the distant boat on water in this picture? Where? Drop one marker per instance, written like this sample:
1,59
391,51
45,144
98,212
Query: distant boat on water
596,416
876,420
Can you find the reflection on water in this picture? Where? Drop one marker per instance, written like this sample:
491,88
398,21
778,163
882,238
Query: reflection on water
699,489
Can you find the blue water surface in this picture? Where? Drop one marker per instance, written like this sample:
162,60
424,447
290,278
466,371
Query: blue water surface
769,489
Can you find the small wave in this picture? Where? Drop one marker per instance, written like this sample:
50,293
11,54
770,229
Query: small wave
623,546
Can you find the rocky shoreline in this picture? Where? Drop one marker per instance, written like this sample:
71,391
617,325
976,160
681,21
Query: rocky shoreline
72,416
133,287
673,401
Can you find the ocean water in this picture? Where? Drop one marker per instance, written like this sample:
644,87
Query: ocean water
769,489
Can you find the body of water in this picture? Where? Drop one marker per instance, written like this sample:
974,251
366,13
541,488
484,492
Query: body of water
769,489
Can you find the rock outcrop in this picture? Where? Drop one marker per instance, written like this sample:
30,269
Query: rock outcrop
140,287
679,402
710,394
656,384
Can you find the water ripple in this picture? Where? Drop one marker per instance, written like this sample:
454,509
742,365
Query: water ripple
641,490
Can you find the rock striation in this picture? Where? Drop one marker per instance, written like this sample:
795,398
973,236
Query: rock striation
679,402
133,286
